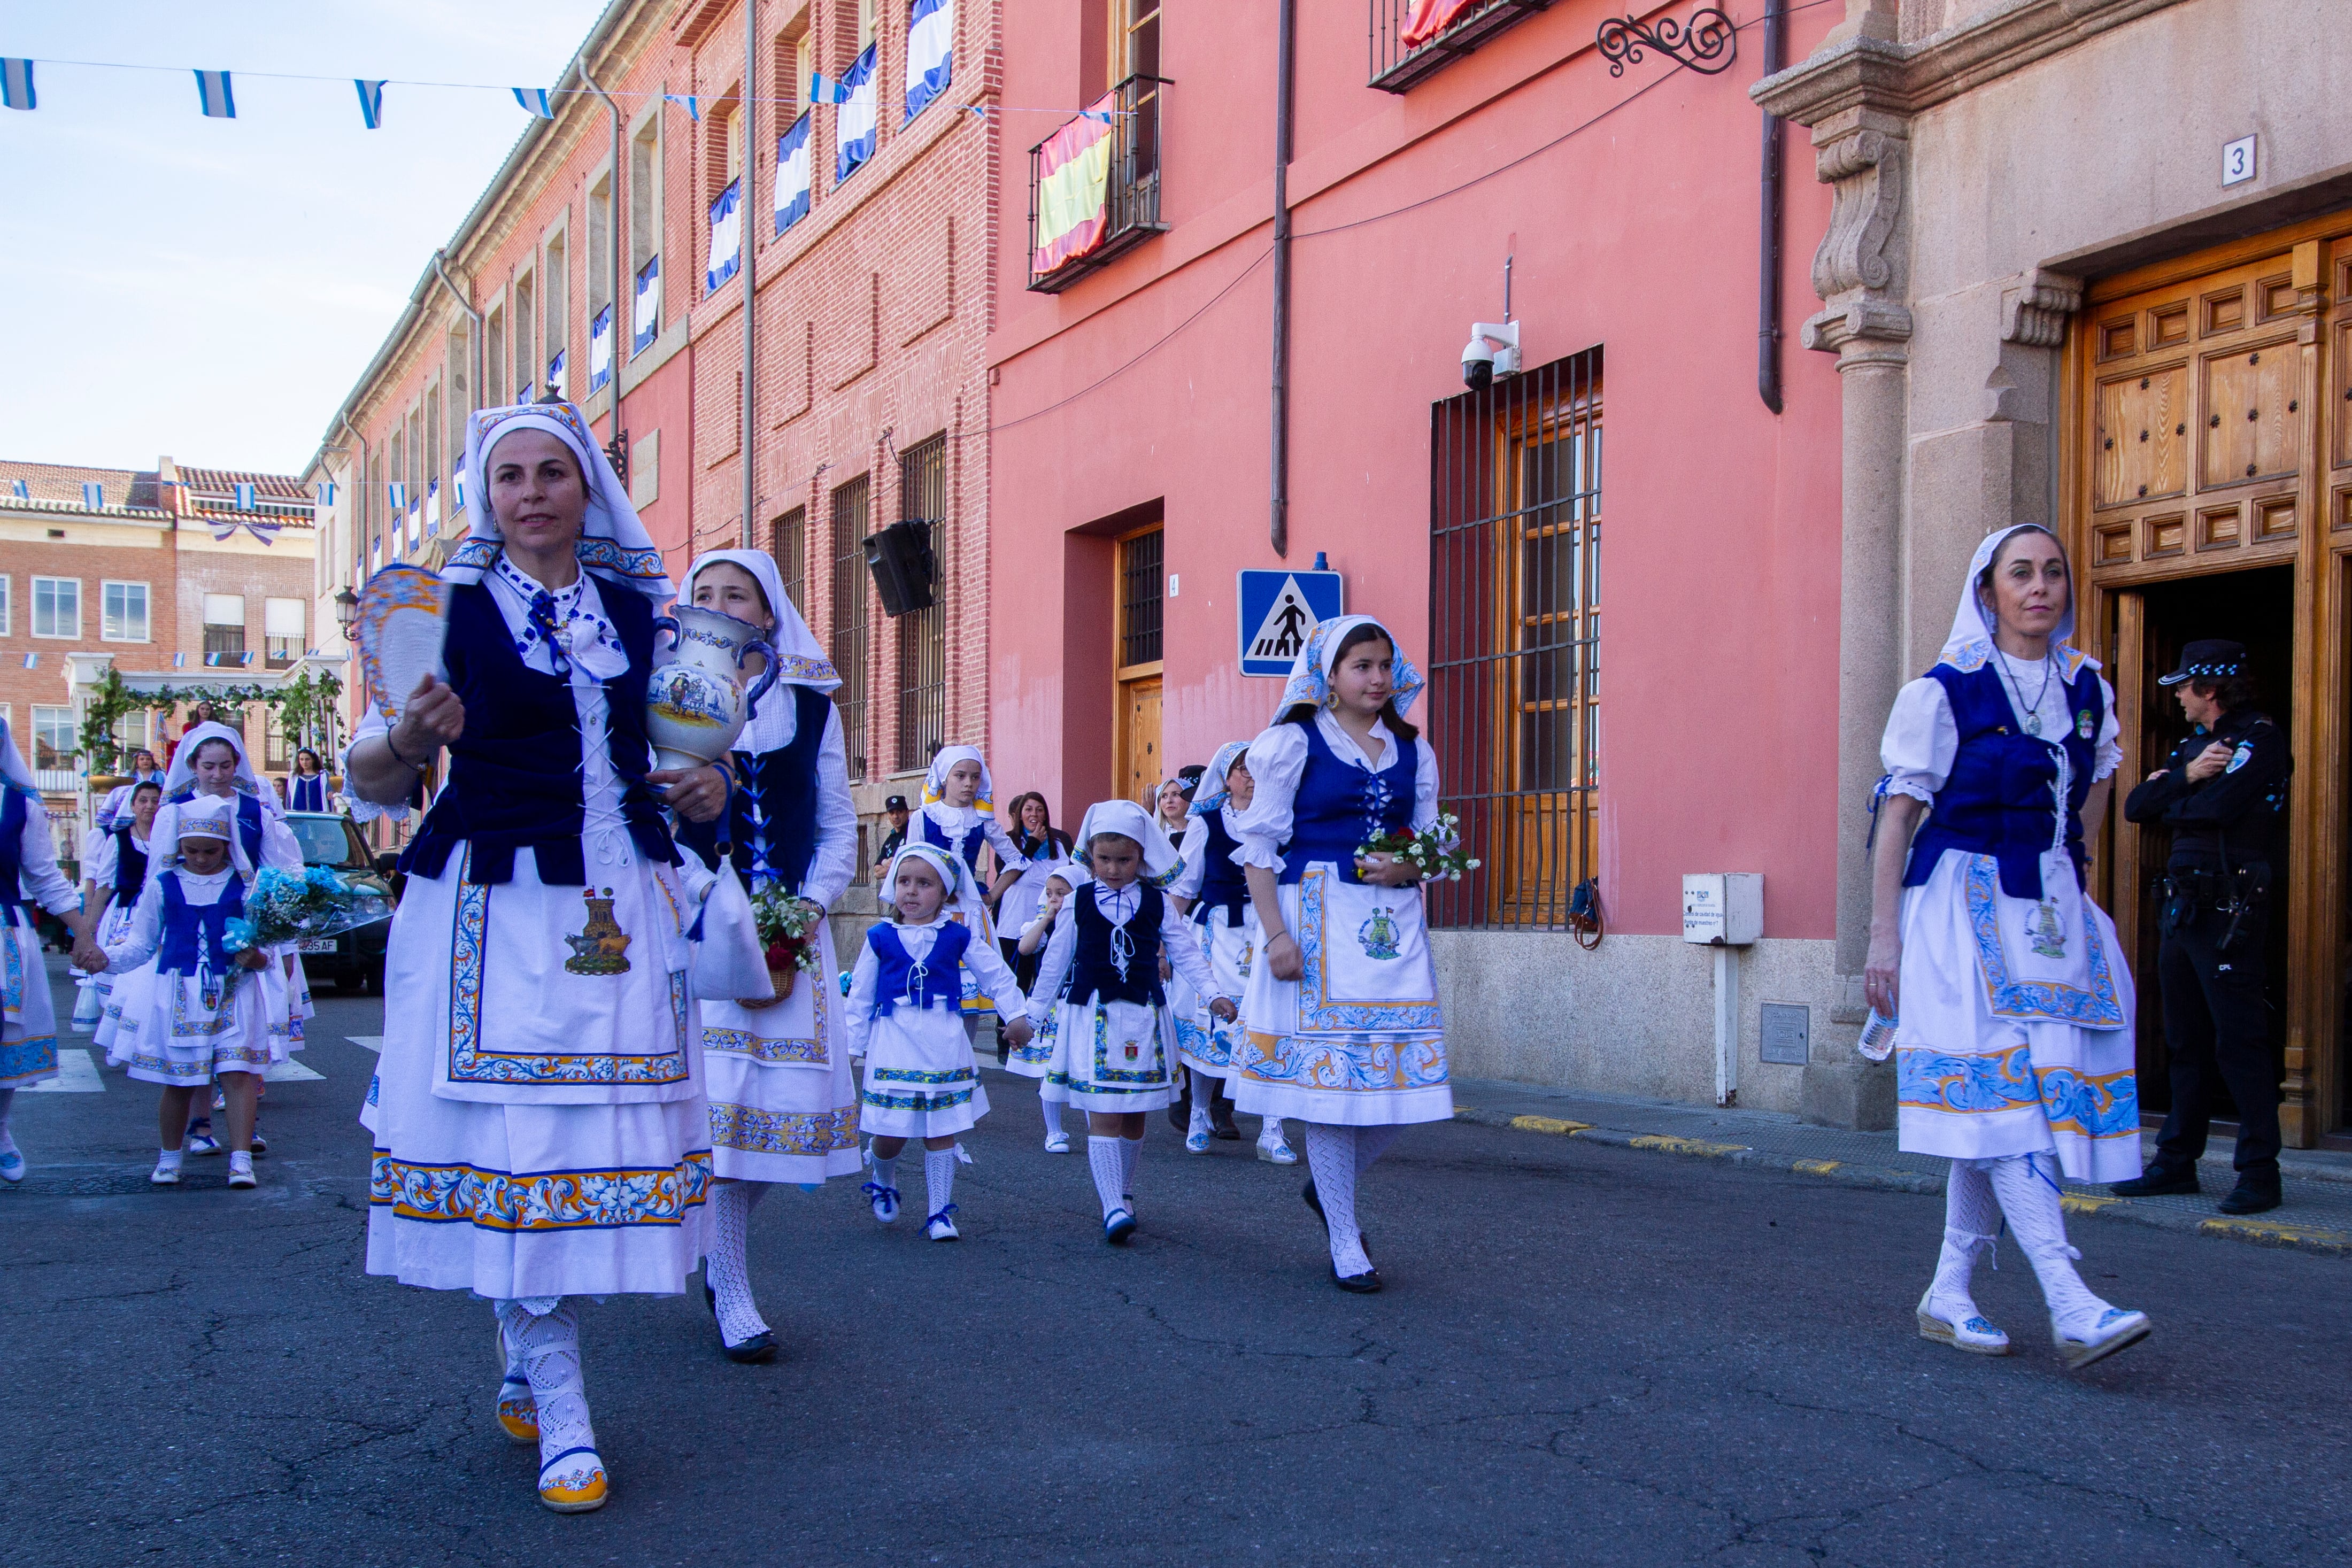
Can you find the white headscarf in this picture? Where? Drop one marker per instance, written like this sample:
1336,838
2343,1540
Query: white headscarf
800,662
614,543
934,782
1214,791
14,774
1310,672
1970,642
205,817
961,897
1161,863
183,775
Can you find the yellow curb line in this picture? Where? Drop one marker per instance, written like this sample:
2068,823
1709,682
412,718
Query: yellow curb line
2271,1230
2075,1202
1551,1124
1815,1167
1667,1143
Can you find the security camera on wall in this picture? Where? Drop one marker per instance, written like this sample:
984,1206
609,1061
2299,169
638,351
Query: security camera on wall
1481,363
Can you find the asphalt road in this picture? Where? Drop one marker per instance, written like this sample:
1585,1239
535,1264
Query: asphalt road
1585,1355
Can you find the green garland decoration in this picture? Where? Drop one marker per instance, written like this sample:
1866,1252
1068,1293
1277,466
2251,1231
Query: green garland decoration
304,705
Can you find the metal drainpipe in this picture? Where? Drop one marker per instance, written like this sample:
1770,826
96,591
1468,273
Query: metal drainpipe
1278,523
474,330
1768,307
613,233
750,243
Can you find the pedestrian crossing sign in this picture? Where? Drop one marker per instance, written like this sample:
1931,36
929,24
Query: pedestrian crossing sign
1278,609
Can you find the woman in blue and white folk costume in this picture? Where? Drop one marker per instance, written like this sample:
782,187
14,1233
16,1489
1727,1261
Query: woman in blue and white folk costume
959,815
2014,1050
29,870
905,1020
783,1100
1115,1051
1341,1027
537,1112
188,1007
1212,892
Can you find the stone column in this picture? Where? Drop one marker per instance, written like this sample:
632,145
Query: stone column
1861,272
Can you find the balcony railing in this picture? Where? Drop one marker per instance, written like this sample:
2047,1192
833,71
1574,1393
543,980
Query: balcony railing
1397,65
1094,186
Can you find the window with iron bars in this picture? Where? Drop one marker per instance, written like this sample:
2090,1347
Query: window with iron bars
791,551
922,633
1142,598
847,644
1412,39
1514,639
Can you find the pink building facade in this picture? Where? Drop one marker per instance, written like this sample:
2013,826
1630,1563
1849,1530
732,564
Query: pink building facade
1691,728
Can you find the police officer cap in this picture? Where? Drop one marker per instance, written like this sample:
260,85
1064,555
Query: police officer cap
895,803
2211,660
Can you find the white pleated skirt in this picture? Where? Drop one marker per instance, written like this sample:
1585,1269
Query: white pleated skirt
1206,1040
783,1096
922,1080
28,1023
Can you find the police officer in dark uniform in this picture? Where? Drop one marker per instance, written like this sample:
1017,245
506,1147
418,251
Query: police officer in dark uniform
895,807
2224,794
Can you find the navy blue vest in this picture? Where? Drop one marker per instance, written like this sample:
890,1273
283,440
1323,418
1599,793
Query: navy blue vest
779,839
1996,799
129,868
969,847
12,847
1340,806
514,776
248,822
1092,975
306,794
1223,885
192,935
940,984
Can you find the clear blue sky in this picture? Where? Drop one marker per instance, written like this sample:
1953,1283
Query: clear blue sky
211,289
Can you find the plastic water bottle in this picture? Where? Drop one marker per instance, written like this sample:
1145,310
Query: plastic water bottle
1877,1041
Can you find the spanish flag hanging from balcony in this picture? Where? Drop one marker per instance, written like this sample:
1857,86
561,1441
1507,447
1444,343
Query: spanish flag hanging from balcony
1430,17
1074,188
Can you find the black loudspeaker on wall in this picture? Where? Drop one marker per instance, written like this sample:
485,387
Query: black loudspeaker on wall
900,559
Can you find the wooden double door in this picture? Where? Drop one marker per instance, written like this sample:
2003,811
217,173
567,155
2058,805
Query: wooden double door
2209,476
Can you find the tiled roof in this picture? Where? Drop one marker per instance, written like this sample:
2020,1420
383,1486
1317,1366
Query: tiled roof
63,482
224,481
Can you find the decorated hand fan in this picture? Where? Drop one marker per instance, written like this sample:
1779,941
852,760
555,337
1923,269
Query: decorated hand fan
404,614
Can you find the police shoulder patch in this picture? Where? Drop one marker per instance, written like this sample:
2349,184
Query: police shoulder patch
2240,758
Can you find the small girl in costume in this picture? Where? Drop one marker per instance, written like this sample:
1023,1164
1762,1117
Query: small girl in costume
921,1079
1035,1060
1115,1049
112,877
1212,891
28,868
959,815
199,1008
783,1100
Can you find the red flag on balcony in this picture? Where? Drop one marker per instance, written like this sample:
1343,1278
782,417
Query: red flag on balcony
1074,188
1430,17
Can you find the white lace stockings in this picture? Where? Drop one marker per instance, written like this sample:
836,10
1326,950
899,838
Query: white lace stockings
549,1346
726,1266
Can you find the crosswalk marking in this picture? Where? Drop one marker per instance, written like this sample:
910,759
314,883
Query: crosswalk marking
367,1041
290,1071
77,1074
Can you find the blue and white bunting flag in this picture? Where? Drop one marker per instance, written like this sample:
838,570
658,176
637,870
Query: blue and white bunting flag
16,84
853,125
263,529
686,101
824,89
244,494
370,103
645,313
32,661
793,174
432,506
555,373
326,492
726,235
931,52
20,489
213,93
179,660
396,494
535,102
458,490
93,494
600,350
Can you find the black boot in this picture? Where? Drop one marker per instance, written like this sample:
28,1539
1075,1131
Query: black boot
2257,1192
1221,1115
2159,1180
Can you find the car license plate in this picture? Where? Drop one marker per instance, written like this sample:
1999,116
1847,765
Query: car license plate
318,944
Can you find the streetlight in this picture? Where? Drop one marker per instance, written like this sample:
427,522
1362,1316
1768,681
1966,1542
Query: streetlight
347,609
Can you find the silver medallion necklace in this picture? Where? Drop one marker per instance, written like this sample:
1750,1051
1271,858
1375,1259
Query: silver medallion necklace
2049,673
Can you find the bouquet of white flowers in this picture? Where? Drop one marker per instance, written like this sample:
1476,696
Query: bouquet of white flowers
1435,850
288,906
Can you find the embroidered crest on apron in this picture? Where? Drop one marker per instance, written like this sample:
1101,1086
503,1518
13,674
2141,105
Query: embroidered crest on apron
602,948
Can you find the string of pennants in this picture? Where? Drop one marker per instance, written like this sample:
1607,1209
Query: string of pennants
930,68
